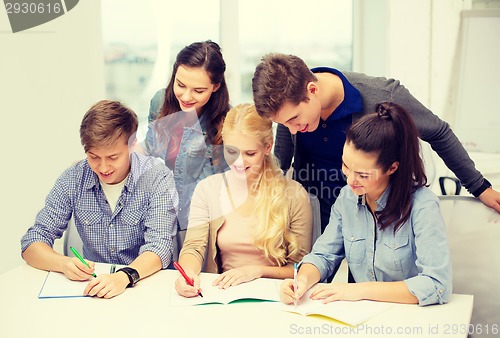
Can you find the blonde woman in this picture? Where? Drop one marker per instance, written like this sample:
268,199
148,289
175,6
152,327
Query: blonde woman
250,221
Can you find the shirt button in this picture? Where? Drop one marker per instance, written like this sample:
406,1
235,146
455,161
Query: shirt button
324,125
325,139
112,249
352,238
86,222
111,225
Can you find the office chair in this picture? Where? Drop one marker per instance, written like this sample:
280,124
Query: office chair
473,234
443,186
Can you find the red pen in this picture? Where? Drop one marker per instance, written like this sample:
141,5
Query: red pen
183,273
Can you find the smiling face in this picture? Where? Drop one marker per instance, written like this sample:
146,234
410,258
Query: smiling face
193,87
303,117
110,163
364,175
245,155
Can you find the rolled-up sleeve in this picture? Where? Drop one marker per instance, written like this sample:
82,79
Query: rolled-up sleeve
433,284
52,220
160,221
284,147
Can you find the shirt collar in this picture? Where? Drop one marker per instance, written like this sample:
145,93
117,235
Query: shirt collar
90,181
381,201
137,165
352,102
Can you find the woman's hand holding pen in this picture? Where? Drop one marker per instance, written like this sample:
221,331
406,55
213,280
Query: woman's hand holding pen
186,290
288,294
74,269
304,280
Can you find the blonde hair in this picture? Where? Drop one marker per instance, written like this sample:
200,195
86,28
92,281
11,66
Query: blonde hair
272,204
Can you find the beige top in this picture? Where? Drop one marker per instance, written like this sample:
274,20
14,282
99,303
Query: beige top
208,213
235,241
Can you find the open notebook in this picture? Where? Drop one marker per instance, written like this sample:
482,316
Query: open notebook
261,289
57,285
266,289
349,312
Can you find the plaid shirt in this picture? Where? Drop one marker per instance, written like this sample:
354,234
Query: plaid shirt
143,220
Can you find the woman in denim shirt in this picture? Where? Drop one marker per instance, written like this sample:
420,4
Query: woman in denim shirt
186,119
385,222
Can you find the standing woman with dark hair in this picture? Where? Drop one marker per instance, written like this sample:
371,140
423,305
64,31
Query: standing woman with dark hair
186,120
385,222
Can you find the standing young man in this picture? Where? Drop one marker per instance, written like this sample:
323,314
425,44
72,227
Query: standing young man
123,204
319,105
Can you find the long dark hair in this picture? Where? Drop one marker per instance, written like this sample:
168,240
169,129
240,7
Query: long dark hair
391,133
206,55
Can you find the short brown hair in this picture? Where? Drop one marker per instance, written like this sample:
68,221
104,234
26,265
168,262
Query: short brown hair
278,79
105,122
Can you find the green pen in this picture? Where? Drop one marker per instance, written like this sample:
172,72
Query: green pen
81,259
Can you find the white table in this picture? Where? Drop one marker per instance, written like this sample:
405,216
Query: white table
144,311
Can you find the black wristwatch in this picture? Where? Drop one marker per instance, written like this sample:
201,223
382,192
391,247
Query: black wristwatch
133,275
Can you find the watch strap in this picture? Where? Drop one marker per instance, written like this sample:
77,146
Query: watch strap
132,274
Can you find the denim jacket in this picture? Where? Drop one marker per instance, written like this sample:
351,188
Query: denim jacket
194,160
417,253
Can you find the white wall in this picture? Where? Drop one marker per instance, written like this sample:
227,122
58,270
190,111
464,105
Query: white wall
371,24
414,41
49,76
411,40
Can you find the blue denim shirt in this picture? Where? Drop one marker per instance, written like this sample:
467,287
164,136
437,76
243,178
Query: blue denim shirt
143,220
417,253
194,160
